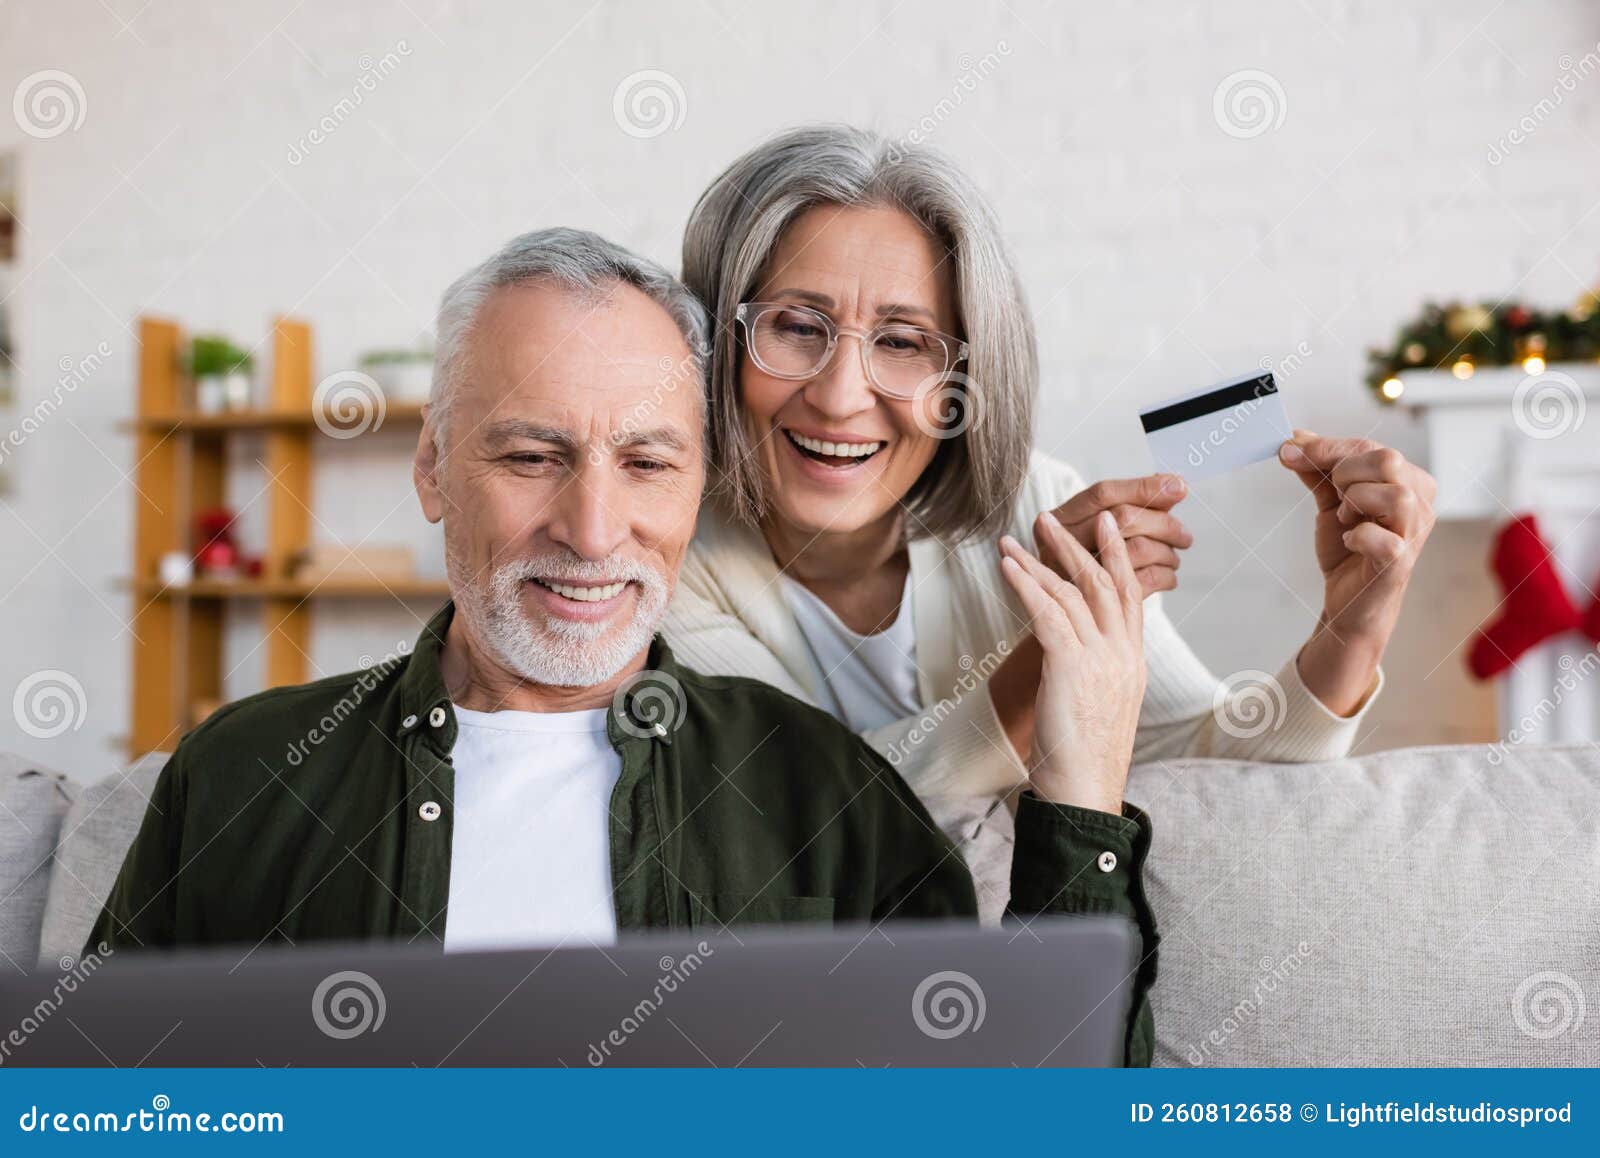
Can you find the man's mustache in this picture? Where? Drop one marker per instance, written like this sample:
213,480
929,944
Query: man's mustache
565,567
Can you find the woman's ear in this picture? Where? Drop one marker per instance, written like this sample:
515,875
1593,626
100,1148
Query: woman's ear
425,468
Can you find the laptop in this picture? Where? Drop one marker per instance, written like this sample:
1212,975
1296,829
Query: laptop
1053,992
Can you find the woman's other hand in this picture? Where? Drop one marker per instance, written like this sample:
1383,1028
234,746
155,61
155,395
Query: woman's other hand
1142,508
1374,513
1089,622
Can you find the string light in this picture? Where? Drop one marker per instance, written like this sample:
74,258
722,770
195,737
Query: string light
1533,364
1392,388
1462,369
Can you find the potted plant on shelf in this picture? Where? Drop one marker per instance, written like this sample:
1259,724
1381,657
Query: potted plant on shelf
403,375
221,373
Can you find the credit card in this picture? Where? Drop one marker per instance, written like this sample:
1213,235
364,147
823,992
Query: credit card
1218,429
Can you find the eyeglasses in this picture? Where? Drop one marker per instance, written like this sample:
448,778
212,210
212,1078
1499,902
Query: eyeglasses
790,341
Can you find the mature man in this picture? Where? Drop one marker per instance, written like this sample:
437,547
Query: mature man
538,769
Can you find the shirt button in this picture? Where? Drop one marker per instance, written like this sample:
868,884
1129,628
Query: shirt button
429,810
409,722
1107,861
437,717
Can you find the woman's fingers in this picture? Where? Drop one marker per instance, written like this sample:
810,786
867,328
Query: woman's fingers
1055,615
1295,454
1333,465
1156,564
1114,558
1154,579
1144,553
1379,544
1085,572
1045,618
1159,491
1394,505
1137,522
1369,462
1065,594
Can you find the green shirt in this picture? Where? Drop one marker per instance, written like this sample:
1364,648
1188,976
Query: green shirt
323,812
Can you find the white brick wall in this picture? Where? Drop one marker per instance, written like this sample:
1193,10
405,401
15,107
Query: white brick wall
1160,252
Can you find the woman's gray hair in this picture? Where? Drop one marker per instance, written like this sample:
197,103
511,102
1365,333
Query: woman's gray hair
583,262
969,487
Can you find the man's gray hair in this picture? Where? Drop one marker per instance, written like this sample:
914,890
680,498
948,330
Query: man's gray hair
970,486
574,259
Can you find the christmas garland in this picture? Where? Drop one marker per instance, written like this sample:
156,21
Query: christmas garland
1461,338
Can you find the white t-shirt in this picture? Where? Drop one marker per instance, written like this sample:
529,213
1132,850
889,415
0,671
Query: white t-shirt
869,680
530,857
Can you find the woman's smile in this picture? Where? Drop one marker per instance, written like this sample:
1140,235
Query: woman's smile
837,462
836,450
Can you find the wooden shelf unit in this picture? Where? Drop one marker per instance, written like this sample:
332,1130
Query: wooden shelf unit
181,457
394,413
297,589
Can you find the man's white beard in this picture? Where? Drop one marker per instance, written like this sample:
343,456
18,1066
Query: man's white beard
551,651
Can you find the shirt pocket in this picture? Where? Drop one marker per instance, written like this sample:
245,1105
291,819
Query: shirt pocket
741,910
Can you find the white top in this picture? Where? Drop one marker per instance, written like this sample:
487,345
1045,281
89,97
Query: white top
729,617
868,680
530,856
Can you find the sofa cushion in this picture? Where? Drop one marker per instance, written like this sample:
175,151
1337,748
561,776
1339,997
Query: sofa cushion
1425,906
94,840
33,801
981,828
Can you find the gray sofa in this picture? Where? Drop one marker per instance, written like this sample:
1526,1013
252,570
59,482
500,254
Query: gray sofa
1428,906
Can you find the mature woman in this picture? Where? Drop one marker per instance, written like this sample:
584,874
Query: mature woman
852,551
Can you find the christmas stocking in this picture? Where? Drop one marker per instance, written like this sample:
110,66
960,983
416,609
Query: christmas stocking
1534,606
1591,621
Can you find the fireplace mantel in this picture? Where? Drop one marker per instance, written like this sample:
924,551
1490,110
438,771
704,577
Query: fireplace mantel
1497,451
1481,432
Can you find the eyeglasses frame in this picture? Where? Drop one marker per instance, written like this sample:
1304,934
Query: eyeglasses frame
748,312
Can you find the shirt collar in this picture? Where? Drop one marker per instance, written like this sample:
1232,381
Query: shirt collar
651,704
424,701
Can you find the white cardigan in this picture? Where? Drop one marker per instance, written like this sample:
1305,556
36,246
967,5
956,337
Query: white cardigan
728,617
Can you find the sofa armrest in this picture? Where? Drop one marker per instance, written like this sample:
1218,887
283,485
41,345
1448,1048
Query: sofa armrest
33,804
94,840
